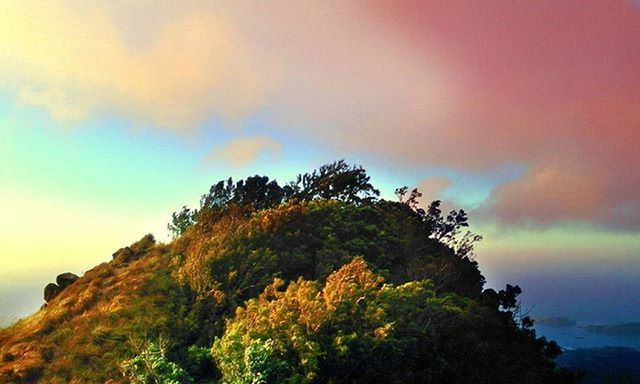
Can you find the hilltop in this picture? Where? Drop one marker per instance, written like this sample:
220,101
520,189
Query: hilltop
316,281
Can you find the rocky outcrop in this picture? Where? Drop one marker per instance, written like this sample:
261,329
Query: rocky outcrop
50,291
135,250
123,255
66,279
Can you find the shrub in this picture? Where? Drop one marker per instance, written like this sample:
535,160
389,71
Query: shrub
151,366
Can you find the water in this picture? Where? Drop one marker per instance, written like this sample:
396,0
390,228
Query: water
573,337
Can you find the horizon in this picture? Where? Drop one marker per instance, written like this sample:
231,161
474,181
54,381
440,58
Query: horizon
113,116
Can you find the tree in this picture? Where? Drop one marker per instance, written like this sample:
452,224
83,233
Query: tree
219,194
353,329
258,192
254,193
412,200
182,220
337,180
447,229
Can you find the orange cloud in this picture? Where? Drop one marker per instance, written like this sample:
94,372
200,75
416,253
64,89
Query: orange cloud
244,151
551,193
432,188
75,62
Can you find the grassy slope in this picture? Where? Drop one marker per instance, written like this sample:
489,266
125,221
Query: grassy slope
90,326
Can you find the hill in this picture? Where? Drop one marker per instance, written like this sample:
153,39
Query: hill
553,321
628,329
316,281
604,365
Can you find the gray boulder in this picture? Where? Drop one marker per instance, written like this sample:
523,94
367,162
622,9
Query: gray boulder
66,279
50,291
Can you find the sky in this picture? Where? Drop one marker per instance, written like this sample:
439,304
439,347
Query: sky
526,114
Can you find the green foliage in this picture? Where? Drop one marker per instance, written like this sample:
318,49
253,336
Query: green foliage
151,366
232,258
445,229
199,364
258,363
337,181
312,239
354,329
181,221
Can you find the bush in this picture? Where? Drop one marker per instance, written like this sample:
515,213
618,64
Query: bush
151,366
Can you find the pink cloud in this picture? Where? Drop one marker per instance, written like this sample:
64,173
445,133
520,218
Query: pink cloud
551,192
552,85
432,188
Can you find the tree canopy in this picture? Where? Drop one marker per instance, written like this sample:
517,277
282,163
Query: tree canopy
320,280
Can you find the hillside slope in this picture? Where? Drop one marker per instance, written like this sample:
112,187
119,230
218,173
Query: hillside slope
86,330
257,267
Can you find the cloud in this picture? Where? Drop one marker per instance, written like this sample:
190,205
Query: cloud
549,193
432,188
76,62
551,86
240,152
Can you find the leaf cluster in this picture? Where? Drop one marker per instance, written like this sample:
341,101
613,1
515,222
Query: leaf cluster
354,328
338,180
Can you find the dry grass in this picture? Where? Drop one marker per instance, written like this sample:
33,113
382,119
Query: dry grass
82,335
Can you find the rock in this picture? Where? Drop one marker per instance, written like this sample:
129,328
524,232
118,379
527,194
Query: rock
123,254
50,291
66,279
135,250
143,245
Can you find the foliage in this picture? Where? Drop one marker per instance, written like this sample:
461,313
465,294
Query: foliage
337,181
181,220
356,329
446,229
254,193
197,362
312,239
316,281
353,329
151,366
275,333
